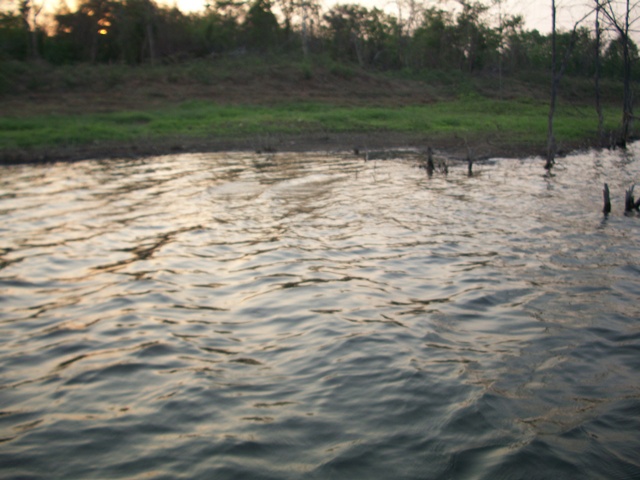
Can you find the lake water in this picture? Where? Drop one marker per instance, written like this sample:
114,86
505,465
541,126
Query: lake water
316,316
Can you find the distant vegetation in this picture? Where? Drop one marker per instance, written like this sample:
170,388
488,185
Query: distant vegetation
260,52
475,38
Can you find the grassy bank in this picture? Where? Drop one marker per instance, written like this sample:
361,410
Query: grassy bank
525,122
281,102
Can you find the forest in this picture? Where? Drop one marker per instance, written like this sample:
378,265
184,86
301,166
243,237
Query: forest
475,37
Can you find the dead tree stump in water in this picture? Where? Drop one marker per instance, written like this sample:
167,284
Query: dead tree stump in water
430,164
629,202
607,200
429,167
628,199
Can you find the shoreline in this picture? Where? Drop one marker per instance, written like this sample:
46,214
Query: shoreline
454,147
83,112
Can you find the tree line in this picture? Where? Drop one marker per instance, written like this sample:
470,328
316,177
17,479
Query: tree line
475,37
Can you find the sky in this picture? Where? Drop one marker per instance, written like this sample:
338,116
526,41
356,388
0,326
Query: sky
537,13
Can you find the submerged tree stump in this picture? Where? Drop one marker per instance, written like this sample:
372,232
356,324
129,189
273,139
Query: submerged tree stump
629,202
430,166
607,200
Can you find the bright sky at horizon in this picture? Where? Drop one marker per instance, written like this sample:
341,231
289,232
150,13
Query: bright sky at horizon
537,14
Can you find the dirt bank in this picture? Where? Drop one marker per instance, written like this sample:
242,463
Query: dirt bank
135,91
453,147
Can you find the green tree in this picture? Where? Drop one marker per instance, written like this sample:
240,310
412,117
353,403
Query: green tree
433,41
261,27
357,34
343,28
88,32
220,26
137,30
299,18
472,36
13,41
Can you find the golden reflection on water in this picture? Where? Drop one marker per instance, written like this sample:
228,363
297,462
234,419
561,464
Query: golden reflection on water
227,315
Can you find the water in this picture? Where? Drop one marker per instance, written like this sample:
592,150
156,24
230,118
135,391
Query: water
315,316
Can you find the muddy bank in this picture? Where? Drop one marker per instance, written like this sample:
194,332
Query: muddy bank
453,146
94,90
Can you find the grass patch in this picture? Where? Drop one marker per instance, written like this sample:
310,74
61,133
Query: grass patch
44,108
470,115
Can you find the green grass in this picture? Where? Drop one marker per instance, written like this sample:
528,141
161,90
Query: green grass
350,100
525,121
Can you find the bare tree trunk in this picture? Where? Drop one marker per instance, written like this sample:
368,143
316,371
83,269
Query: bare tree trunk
597,77
627,115
551,141
305,33
149,16
357,42
94,47
501,48
622,28
29,14
557,71
152,45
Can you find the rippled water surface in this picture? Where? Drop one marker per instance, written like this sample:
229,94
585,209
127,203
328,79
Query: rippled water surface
318,316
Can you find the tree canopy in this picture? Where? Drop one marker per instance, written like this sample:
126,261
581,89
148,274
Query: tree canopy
468,39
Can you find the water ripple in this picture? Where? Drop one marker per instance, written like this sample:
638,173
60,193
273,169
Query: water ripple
285,316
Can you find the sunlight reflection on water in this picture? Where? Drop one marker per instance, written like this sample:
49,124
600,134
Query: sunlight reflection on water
241,315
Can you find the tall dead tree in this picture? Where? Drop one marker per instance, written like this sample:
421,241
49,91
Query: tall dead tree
596,76
149,16
555,82
501,45
29,12
557,71
306,13
621,22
